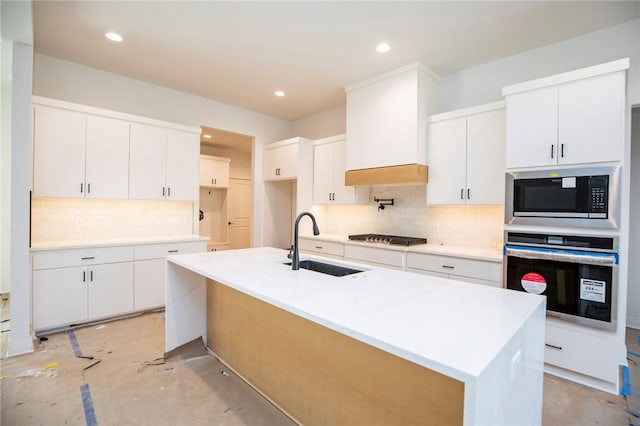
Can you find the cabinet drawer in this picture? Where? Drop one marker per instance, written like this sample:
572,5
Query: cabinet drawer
581,351
160,251
483,270
321,247
80,257
374,255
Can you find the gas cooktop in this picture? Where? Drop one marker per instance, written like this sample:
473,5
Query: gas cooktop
388,239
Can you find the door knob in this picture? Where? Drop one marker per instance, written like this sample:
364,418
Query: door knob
229,223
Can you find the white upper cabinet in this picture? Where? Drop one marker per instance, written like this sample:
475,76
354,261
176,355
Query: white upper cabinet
78,155
387,118
281,159
572,118
214,171
466,156
107,156
329,165
164,164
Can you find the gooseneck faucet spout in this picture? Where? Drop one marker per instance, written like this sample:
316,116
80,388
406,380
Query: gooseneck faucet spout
295,257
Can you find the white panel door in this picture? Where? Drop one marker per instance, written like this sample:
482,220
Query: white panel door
485,158
239,231
149,279
446,156
591,115
183,156
59,296
59,153
148,162
110,289
532,128
323,173
107,157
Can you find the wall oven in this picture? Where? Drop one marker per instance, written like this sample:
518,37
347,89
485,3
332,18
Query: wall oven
573,197
577,274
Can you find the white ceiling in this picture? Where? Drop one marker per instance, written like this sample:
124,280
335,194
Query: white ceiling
239,53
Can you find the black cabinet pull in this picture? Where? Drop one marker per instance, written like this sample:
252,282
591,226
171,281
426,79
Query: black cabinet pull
169,192
88,258
552,151
468,194
558,348
163,191
91,276
88,188
448,267
84,276
81,187
172,251
462,193
211,181
561,150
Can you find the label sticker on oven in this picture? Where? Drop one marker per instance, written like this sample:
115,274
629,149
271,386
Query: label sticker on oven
569,182
533,283
592,290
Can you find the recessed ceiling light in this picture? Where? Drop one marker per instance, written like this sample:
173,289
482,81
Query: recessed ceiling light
114,37
206,136
383,48
279,93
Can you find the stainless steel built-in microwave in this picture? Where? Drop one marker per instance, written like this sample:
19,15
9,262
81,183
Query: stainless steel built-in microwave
575,197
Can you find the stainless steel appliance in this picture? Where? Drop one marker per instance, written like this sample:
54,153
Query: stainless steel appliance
388,239
575,197
578,274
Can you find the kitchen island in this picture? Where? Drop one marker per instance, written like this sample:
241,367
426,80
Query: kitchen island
376,347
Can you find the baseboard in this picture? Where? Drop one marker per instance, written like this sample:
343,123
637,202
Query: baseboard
633,321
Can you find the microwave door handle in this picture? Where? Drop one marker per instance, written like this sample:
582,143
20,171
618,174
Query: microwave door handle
585,259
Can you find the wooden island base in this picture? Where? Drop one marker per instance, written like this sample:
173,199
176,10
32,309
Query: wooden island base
322,377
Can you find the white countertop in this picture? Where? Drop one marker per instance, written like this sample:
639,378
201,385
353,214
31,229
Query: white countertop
59,245
456,328
488,254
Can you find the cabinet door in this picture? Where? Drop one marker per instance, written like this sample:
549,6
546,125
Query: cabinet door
485,158
148,162
149,283
110,289
59,296
220,173
107,174
323,173
341,194
206,172
59,153
591,115
446,154
183,153
532,128
281,163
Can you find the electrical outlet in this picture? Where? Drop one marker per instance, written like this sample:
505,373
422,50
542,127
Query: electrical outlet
436,228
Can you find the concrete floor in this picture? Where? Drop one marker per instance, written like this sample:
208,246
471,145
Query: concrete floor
113,374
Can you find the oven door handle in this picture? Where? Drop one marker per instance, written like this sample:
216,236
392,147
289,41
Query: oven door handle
571,256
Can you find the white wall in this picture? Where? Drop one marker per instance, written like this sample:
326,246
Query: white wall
59,79
484,83
633,290
6,62
322,125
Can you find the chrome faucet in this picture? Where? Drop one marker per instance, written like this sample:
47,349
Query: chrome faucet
295,257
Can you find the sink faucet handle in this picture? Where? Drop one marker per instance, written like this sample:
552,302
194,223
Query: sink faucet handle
290,255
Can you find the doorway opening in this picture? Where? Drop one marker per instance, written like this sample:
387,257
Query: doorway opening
226,200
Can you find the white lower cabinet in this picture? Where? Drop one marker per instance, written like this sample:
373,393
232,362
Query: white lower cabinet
81,288
456,268
375,256
150,275
72,286
582,350
323,248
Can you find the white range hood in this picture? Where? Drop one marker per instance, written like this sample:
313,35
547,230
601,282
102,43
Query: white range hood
387,126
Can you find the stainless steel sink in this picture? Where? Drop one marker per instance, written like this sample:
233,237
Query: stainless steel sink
327,268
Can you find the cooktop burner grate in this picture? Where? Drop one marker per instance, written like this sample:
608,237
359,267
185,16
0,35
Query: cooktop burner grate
388,239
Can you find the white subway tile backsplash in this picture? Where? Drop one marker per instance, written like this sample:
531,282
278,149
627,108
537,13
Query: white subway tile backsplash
469,226
54,219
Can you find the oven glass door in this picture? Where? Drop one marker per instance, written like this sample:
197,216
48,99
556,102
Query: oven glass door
574,289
